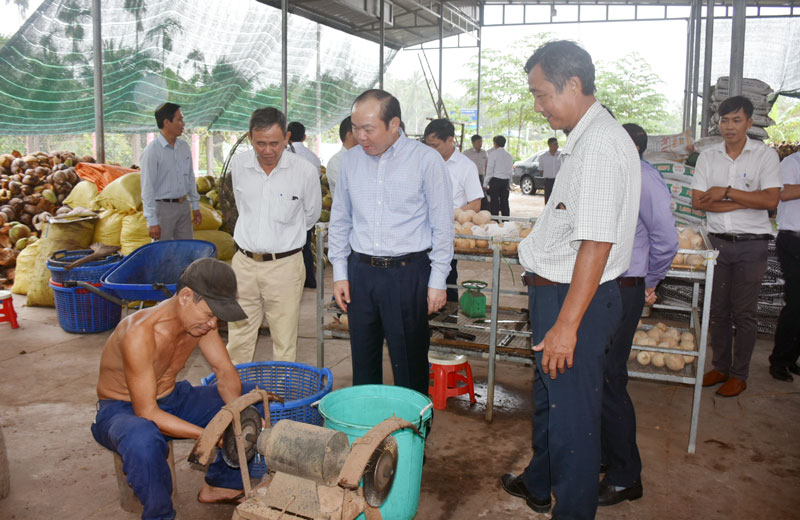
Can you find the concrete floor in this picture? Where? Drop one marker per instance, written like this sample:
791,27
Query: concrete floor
747,463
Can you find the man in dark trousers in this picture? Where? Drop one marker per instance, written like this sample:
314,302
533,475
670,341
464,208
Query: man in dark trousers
390,243
499,171
654,247
578,248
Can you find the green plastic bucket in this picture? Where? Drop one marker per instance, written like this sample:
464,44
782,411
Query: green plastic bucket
355,410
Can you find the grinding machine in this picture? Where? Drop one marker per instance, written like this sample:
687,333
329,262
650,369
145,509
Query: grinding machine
314,472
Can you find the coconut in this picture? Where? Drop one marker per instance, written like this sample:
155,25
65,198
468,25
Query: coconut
694,260
672,332
461,243
466,216
457,213
510,248
687,337
679,259
674,362
684,242
657,359
639,336
524,232
482,218
654,333
643,358
697,242
661,326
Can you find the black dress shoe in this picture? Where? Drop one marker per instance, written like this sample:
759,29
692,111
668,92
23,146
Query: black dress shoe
514,486
794,368
781,374
608,496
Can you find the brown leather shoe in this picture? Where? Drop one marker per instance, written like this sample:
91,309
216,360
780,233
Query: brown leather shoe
714,377
732,387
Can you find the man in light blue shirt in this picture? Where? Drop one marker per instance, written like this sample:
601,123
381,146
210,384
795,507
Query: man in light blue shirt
169,188
390,243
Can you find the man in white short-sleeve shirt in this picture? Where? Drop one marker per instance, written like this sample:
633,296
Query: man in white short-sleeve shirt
736,182
579,246
549,163
278,198
467,190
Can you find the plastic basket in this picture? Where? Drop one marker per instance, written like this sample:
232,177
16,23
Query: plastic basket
90,272
81,311
300,386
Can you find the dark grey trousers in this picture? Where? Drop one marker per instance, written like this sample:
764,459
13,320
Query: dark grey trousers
737,281
175,219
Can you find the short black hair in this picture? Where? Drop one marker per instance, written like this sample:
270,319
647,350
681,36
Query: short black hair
265,118
551,140
733,104
499,140
166,111
561,60
476,137
345,127
298,131
440,128
638,135
390,106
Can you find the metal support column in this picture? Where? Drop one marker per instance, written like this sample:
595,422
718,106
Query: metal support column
696,63
321,230
97,42
480,47
284,55
493,330
737,47
381,62
440,103
688,70
709,46
209,153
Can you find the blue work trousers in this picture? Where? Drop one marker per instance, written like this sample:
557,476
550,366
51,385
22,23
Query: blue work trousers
144,449
390,303
566,419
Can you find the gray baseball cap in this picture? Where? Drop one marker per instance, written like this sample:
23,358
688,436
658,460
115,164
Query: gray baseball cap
215,281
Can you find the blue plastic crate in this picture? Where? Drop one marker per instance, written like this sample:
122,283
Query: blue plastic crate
156,263
81,311
90,272
300,386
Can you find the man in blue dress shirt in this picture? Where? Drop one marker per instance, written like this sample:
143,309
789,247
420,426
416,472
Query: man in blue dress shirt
390,243
654,247
169,188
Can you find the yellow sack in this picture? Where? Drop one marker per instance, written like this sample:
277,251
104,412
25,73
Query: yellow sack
134,233
224,242
212,219
82,195
24,270
70,236
109,228
123,195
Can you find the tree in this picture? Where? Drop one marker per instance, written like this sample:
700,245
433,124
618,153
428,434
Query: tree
628,87
786,114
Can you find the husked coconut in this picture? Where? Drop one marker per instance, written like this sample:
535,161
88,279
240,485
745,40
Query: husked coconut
466,216
482,243
674,362
694,260
687,337
510,248
657,359
457,213
482,218
684,242
643,358
679,259
654,333
661,326
639,336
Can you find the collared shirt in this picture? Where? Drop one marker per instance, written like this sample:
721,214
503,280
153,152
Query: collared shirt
479,157
464,178
167,173
549,164
393,205
275,210
789,210
500,166
756,168
301,150
332,169
595,197
656,240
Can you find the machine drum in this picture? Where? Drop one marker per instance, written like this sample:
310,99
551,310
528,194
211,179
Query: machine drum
251,427
379,472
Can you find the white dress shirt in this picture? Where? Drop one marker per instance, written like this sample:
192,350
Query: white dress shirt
756,168
167,173
789,210
275,210
464,178
332,169
501,166
479,157
549,164
595,197
301,150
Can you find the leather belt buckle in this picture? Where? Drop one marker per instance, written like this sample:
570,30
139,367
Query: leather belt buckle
257,257
380,262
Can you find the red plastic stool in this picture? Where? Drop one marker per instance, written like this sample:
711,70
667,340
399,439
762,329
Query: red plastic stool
7,312
446,378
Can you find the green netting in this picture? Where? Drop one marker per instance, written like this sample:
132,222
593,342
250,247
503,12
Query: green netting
218,59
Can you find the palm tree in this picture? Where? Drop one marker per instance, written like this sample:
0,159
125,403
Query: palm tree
137,9
165,31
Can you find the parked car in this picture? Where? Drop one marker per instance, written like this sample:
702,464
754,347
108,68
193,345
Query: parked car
528,175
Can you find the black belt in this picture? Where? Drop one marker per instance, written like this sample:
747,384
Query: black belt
630,281
795,234
266,257
179,199
741,237
385,262
529,279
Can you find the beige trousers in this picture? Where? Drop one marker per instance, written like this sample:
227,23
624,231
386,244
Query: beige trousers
272,289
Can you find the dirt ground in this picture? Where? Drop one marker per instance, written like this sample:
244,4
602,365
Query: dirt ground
747,463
